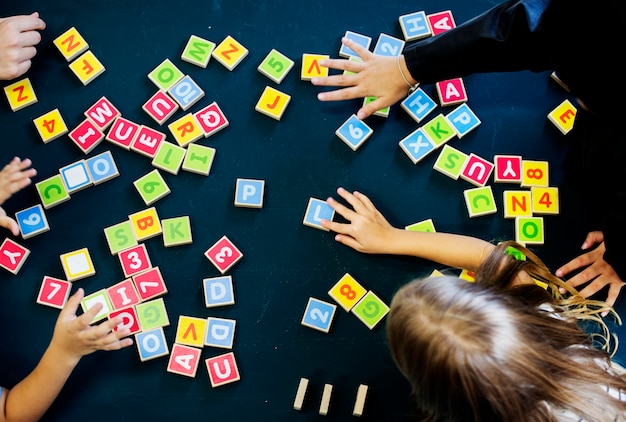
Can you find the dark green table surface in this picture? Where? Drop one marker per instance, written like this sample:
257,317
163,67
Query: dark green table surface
284,261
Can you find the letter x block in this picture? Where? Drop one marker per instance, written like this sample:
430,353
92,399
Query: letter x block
223,254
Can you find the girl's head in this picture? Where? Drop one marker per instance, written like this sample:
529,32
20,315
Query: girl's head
478,352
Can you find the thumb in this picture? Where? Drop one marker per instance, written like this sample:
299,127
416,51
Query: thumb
10,224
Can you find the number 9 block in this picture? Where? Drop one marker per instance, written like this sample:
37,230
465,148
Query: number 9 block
370,310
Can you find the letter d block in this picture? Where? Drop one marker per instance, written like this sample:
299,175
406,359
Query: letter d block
222,369
316,211
218,291
52,191
220,332
86,136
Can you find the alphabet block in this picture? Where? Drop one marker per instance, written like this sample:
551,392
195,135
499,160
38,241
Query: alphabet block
218,291
441,22
52,191
77,264
123,294
70,44
120,236
184,360
211,119
222,369
347,292
20,94
415,26
480,201
151,344
416,145
102,167
563,116
134,260
229,53
223,254
450,162
249,193
220,332
152,314
370,310
86,136
311,67
102,113
12,255
529,230
146,224
477,170
176,231
463,120
152,187
439,130
276,66
318,315
186,92
165,75
87,67
198,51
199,159
185,130
517,203
160,107
76,176
191,331
508,168
383,112
97,297
451,91
50,125
32,221
388,46
147,141
418,105
122,132
272,103
129,319
362,40
316,211
354,132
54,292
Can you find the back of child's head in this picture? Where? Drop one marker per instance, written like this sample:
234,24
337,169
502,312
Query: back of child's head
477,353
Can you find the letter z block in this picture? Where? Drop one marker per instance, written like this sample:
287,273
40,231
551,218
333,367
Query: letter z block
20,94
70,44
347,292
229,53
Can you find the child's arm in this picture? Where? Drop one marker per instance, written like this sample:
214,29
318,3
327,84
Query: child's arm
368,231
18,37
14,176
73,338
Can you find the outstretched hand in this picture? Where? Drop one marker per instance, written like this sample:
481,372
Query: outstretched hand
14,176
598,272
367,231
374,76
18,37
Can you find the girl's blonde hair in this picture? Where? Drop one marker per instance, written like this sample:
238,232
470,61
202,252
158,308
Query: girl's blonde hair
486,351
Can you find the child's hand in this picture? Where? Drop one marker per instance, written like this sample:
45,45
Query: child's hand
368,231
9,223
18,37
74,337
15,176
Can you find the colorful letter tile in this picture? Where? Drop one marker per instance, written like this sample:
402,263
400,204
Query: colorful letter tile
311,67
426,226
20,94
165,75
463,119
102,113
152,314
439,130
218,291
122,132
152,187
272,103
220,332
415,26
451,91
146,224
129,319
87,67
535,173
52,191
249,193
362,40
517,203
120,236
123,294
97,297
563,116
134,260
529,230
441,22
102,167
545,200
186,92
191,331
147,141
77,264
76,176
160,107
316,211
70,44
185,130
150,284
151,344
211,119
229,53
86,136
275,66
198,51
388,46
169,157
508,168
418,105
450,162
477,170
184,360
199,159
416,145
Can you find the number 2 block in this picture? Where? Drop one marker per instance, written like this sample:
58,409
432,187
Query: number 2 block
354,132
54,292
318,315
20,94
223,254
347,292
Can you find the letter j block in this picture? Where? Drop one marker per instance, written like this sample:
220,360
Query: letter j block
316,211
272,103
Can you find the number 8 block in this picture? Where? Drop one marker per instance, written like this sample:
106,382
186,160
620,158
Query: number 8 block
347,292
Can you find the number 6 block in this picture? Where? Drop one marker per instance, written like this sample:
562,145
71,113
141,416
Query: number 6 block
318,315
354,132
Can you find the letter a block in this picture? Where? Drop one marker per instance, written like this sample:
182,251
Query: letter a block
146,224
220,332
415,26
54,292
218,291
87,67
272,103
441,22
176,231
316,211
451,91
151,344
222,369
480,201
223,254
184,360
12,255
563,117
20,94
191,331
52,191
229,53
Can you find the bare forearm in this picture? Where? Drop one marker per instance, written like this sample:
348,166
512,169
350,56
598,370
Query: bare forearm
31,398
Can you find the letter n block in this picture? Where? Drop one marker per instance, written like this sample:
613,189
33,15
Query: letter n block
20,94
517,203
70,44
222,369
